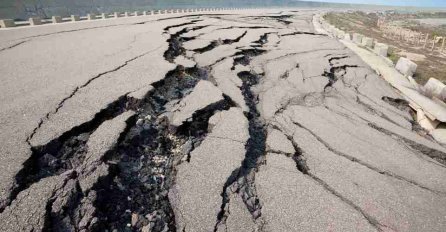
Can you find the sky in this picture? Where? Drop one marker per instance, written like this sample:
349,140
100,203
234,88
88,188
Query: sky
420,3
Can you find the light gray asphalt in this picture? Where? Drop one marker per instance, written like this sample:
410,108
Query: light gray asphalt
293,136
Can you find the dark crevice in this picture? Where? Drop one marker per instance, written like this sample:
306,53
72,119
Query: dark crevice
242,179
243,27
13,46
217,43
279,18
403,105
263,39
336,58
50,222
175,45
144,161
61,103
301,33
180,25
400,104
372,221
207,48
231,41
65,152
336,73
243,57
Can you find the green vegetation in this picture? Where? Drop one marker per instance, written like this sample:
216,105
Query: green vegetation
393,56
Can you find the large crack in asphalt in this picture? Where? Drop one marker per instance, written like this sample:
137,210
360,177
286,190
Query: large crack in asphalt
216,43
176,41
244,56
75,90
336,73
301,166
65,152
146,158
301,33
140,166
279,18
437,155
362,163
242,179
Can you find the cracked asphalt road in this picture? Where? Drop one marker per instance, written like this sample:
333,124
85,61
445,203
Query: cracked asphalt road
228,121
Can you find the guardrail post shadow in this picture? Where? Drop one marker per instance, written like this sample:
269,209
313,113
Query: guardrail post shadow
442,45
56,19
4,23
75,18
35,21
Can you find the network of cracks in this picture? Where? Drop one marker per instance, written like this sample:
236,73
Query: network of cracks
141,166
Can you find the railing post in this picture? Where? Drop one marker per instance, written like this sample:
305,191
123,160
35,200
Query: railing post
91,16
56,19
4,23
442,45
35,21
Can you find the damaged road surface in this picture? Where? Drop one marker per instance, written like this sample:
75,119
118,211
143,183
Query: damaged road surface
236,121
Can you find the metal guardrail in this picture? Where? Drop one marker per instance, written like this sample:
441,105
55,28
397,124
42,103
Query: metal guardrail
34,21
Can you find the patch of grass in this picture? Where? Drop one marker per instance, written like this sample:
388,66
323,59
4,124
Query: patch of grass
393,56
426,70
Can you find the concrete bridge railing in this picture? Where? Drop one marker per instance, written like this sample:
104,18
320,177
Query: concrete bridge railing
34,21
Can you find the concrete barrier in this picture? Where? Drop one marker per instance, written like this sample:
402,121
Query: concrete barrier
56,19
4,23
357,38
75,18
381,49
347,37
35,21
367,42
406,66
435,87
7,23
340,33
91,16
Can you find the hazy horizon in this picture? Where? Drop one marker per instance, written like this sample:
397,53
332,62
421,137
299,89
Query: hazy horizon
414,3
23,9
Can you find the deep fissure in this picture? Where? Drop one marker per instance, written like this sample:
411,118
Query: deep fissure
146,158
242,179
65,152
